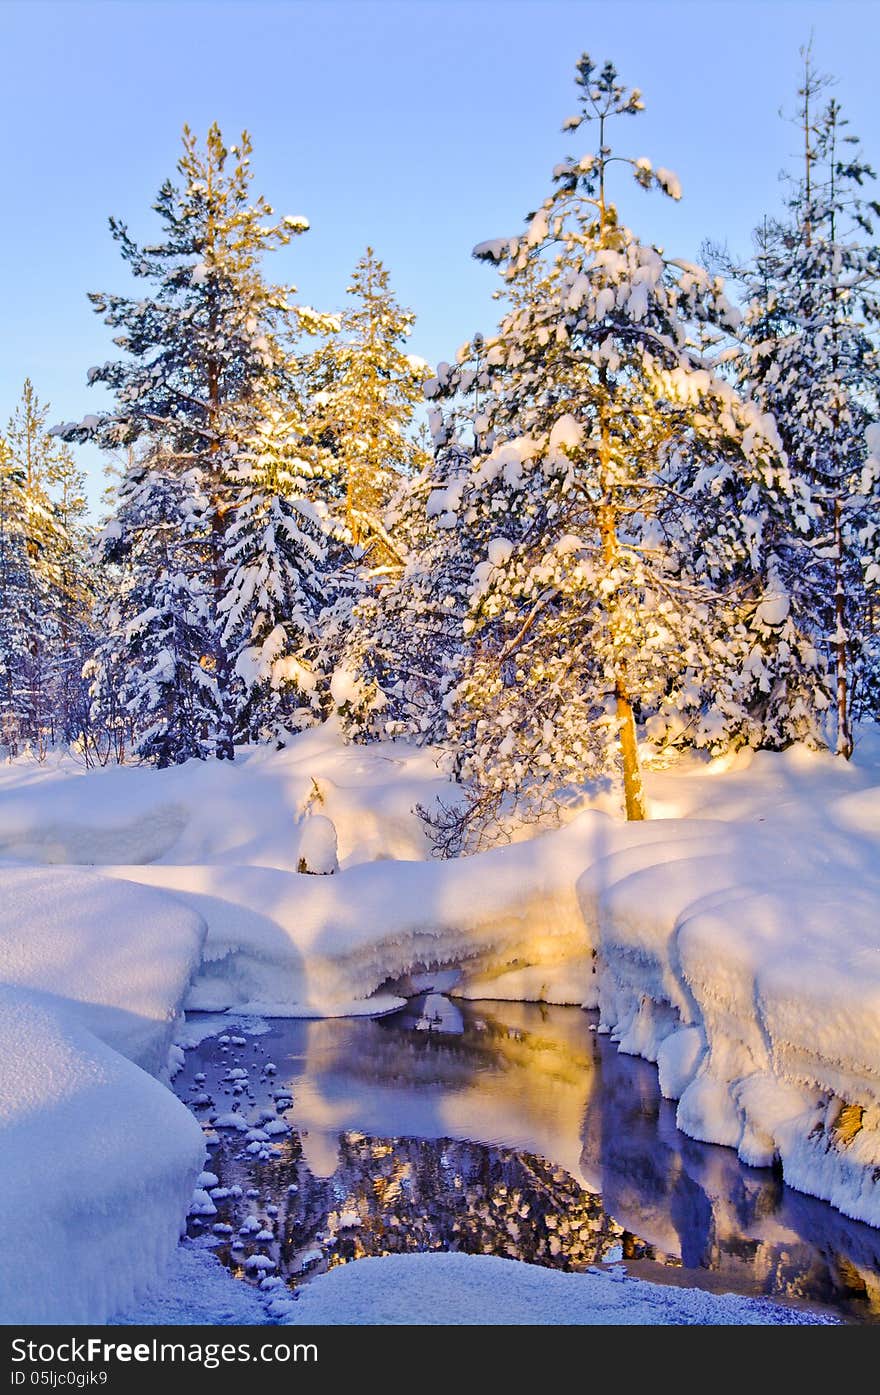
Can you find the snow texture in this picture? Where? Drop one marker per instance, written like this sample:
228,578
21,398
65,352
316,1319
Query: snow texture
99,1161
483,1290
443,1289
197,1289
99,1158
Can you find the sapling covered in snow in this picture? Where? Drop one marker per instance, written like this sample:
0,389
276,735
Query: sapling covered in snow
617,483
318,851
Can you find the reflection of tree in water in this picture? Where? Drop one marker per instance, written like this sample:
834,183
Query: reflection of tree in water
329,1193
413,1194
699,1206
395,1196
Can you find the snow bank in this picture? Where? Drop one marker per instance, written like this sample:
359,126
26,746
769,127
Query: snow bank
99,1161
197,1289
98,1158
745,960
122,956
484,1290
317,943
443,1289
250,811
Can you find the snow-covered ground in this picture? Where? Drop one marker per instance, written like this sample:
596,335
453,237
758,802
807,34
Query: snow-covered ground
447,1290
734,938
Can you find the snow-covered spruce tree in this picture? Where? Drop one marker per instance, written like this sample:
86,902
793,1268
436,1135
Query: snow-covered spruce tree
202,351
370,387
151,674
623,483
51,508
276,548
812,361
108,735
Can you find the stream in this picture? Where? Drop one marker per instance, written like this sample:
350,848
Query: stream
494,1128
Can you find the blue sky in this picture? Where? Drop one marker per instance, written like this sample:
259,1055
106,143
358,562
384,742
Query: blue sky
419,126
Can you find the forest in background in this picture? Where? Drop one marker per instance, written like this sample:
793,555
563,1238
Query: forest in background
644,506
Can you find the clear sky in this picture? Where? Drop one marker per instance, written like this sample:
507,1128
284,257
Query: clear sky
419,126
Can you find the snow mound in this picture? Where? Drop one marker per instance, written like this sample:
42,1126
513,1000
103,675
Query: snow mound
121,955
99,1162
99,1158
253,810
484,1290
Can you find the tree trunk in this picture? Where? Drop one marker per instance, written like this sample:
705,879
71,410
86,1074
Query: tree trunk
225,743
633,795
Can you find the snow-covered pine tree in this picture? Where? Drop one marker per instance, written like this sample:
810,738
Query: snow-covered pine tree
365,391
35,456
20,608
370,389
605,432
70,595
201,351
276,547
812,361
403,643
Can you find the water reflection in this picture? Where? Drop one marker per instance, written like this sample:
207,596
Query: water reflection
698,1206
508,1129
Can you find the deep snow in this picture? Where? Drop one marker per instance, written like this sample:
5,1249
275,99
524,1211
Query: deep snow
98,1164
446,1289
459,1289
734,938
